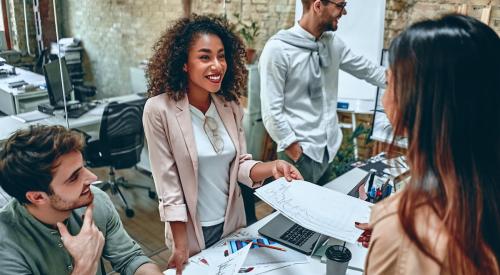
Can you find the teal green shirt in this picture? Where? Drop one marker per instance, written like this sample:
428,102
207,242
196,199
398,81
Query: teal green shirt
27,246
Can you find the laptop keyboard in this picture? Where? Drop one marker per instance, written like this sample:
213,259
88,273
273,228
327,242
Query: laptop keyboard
297,235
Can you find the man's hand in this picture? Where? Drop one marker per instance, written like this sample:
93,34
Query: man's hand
179,257
364,239
284,169
86,247
294,151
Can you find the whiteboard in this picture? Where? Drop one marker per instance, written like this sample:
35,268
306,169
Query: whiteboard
362,29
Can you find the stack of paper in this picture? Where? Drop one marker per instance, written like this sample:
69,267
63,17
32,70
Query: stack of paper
314,207
228,266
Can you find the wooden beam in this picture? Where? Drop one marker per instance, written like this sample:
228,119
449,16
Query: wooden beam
6,24
462,9
485,14
186,7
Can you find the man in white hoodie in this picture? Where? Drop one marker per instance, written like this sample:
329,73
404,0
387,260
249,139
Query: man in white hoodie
299,85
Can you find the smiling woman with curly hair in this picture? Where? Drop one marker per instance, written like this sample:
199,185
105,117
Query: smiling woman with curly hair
193,125
165,72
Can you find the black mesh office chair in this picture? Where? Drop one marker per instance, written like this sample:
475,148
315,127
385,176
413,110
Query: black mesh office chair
121,139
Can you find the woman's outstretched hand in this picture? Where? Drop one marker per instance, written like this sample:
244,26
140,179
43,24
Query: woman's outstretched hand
364,239
284,169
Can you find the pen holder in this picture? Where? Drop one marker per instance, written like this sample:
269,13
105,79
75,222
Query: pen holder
338,258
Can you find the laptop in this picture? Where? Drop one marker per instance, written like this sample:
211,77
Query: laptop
283,230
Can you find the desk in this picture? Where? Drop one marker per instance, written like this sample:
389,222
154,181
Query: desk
14,101
356,265
91,119
89,122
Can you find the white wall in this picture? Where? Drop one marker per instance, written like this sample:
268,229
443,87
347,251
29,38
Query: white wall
363,31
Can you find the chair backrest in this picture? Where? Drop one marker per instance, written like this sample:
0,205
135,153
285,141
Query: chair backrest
121,133
4,198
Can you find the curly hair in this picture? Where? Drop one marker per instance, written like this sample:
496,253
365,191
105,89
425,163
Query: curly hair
164,72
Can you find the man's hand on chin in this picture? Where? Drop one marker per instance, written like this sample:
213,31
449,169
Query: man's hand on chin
86,247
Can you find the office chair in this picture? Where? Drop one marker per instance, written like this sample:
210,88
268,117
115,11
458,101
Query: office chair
4,198
121,139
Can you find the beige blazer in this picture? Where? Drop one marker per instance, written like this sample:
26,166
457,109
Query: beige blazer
392,252
174,164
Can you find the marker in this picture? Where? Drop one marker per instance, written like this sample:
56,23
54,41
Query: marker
370,179
269,246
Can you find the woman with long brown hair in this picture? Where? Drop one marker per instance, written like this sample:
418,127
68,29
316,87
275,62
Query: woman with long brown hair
444,95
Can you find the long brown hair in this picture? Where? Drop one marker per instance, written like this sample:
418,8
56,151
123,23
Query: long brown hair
164,72
446,76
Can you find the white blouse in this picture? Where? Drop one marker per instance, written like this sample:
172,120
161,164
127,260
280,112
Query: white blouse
216,151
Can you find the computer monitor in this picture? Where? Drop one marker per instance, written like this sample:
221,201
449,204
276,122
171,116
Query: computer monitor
53,81
381,126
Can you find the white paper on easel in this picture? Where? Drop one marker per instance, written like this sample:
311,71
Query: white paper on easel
314,207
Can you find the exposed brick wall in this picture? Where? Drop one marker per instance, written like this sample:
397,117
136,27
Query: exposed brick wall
18,35
118,34
402,13
15,12
271,15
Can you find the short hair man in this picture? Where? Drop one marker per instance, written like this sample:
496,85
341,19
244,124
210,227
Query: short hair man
299,81
57,222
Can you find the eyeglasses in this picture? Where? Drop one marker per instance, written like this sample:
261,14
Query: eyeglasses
211,128
340,5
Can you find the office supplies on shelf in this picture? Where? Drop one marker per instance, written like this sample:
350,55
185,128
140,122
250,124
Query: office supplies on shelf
305,203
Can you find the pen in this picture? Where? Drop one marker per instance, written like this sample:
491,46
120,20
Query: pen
269,246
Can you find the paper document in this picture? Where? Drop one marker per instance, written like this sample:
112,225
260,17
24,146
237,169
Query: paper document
257,261
276,254
227,266
190,269
31,116
314,207
232,264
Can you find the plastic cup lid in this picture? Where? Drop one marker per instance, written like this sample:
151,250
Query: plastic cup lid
338,253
